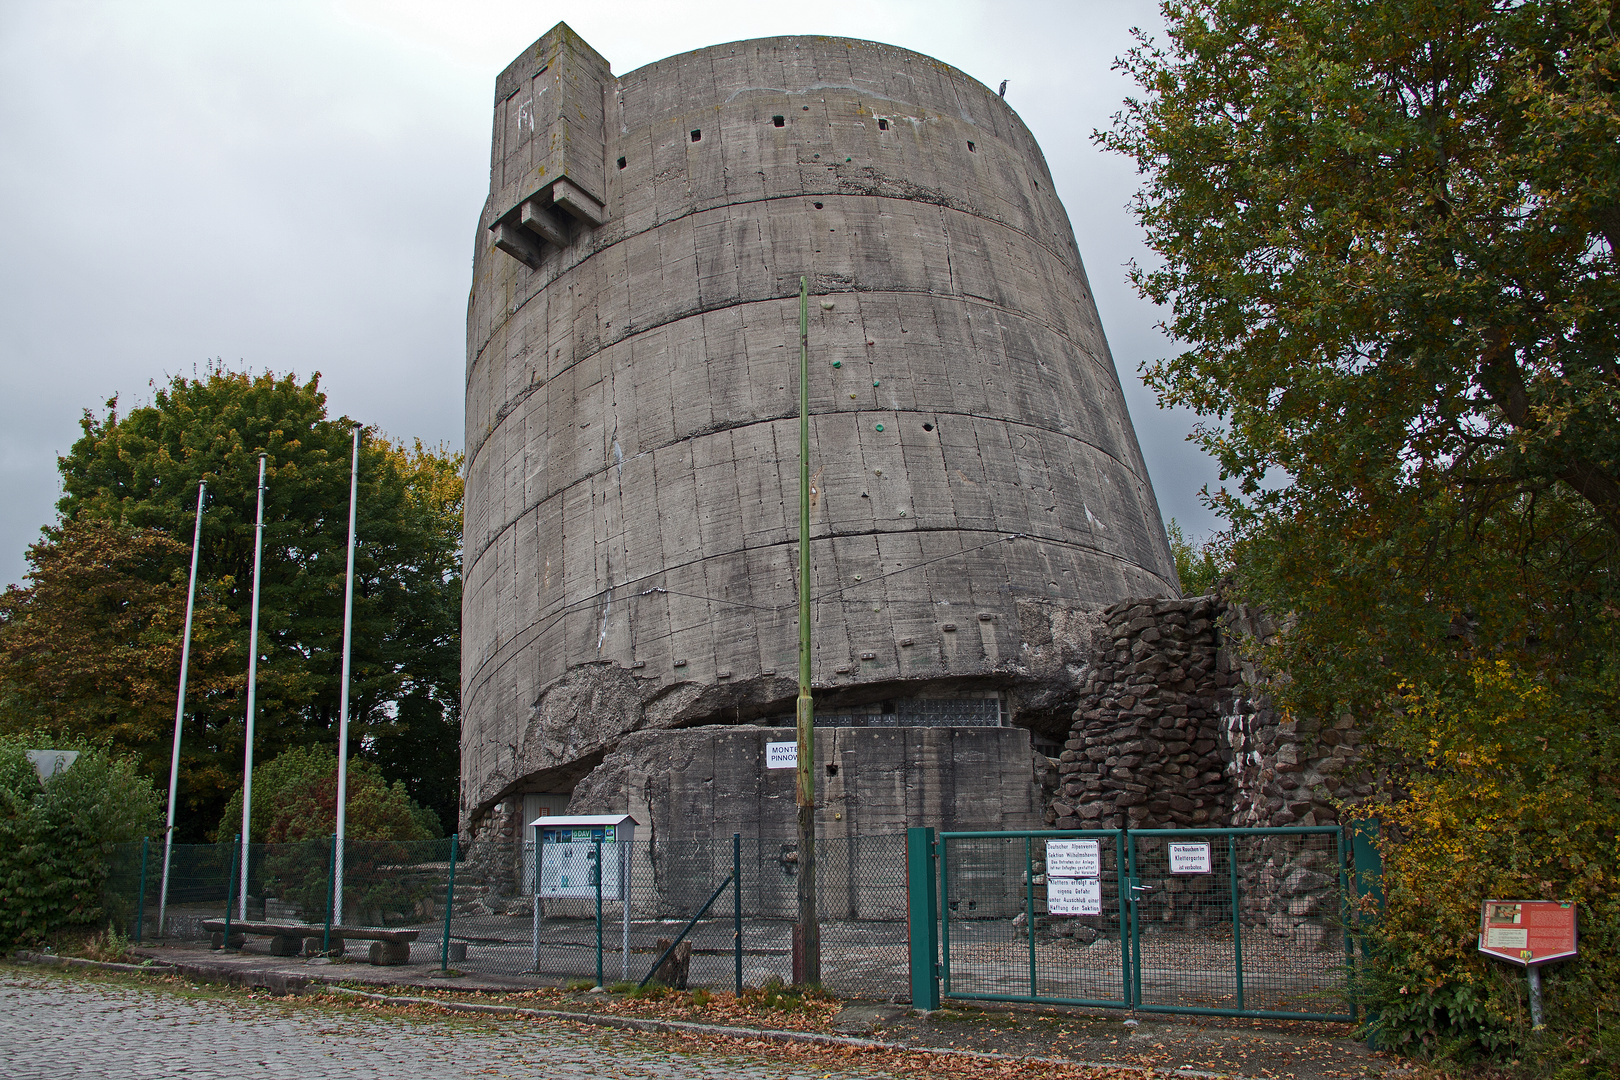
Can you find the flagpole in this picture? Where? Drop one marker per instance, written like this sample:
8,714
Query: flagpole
180,709
343,707
809,930
252,687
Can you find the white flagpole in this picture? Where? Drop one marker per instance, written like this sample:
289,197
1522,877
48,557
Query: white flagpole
253,678
343,699
180,709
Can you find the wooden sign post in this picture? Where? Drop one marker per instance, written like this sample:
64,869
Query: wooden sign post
1528,933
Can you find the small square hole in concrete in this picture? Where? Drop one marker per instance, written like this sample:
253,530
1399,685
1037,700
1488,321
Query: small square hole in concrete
779,121
697,136
883,125
621,163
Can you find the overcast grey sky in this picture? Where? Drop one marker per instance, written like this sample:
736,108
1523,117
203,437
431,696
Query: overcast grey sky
295,186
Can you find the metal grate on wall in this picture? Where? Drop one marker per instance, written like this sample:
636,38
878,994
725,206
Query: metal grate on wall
977,710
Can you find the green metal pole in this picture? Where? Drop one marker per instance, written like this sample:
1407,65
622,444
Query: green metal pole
1237,921
230,892
140,902
331,885
1136,924
598,844
736,910
943,849
1029,908
1123,881
922,913
809,932
1344,918
449,903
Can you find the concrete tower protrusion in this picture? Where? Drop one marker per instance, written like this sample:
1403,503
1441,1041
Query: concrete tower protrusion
631,509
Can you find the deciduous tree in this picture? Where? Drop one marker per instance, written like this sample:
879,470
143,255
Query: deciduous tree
1387,236
138,472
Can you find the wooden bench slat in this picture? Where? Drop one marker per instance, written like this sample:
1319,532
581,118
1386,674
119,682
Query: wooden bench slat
353,933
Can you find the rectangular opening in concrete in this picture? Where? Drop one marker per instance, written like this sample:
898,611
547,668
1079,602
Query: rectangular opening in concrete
697,135
779,121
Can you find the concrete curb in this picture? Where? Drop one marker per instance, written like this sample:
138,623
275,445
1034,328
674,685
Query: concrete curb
303,985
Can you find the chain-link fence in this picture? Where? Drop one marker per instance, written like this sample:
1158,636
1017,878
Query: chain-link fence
425,903
1229,921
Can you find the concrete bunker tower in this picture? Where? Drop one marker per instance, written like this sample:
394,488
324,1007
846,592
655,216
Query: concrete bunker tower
632,473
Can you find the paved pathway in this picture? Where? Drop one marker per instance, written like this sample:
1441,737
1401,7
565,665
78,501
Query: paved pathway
62,1027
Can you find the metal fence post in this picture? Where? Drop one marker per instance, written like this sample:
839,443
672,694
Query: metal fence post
1237,921
449,904
1122,882
230,892
922,908
140,901
1029,907
331,887
598,844
736,910
1136,922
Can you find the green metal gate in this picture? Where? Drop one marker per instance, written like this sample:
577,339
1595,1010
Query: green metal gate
1224,922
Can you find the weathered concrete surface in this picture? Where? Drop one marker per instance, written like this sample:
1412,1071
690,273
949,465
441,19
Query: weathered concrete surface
632,401
712,781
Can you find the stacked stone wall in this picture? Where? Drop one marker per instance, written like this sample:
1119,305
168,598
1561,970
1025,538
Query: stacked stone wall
1177,728
1145,748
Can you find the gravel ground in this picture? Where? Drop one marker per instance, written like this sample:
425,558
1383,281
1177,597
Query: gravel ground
63,1027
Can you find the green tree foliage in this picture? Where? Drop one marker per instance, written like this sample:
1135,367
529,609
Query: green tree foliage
56,835
139,473
1388,238
1198,565
295,798
90,649
294,815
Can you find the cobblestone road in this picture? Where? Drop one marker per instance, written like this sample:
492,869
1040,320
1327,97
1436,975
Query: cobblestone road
63,1027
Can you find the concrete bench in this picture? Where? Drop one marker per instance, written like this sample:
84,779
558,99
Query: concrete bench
388,947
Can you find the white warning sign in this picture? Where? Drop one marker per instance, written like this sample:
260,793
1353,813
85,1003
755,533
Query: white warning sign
1073,858
1190,859
1073,896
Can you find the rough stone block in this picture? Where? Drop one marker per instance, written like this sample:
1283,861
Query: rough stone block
390,953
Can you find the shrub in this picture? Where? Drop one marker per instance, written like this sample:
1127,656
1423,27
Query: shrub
56,835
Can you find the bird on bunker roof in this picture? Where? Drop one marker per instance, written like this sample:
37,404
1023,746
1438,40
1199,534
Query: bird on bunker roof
1003,90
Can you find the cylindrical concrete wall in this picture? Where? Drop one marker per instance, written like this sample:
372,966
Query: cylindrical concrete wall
632,447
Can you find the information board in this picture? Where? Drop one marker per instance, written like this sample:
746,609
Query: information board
1073,895
1527,932
1073,858
1190,859
781,755
568,862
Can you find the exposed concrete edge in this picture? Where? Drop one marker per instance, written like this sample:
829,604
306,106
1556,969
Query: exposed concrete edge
303,984
101,965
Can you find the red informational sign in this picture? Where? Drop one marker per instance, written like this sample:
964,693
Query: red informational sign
1527,932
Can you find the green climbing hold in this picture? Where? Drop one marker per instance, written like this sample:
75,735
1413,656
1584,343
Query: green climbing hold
880,427
876,383
838,363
